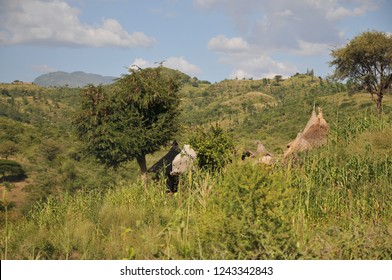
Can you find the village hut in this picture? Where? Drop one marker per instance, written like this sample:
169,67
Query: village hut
314,135
261,154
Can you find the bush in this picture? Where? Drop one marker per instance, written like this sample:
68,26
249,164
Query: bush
214,148
254,207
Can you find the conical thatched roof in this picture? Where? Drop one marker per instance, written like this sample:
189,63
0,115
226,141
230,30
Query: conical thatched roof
261,154
261,150
314,134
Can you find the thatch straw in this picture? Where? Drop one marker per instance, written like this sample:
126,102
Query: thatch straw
313,136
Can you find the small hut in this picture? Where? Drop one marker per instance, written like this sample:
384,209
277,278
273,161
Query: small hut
261,154
314,135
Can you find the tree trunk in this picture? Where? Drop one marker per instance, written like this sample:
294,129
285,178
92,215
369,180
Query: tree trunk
141,160
379,103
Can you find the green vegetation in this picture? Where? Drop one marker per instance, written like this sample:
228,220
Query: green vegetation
367,62
8,148
10,168
331,206
331,203
133,118
214,147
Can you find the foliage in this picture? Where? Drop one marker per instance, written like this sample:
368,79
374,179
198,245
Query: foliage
50,149
8,148
11,168
254,204
333,203
214,147
366,61
49,152
328,206
133,118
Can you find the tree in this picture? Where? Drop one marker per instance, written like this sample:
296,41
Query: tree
50,149
8,148
367,61
132,118
11,168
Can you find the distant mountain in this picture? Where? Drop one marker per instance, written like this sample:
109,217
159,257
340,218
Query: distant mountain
74,79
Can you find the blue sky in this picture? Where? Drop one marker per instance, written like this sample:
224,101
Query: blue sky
210,39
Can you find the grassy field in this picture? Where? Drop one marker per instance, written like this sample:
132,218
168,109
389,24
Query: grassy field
331,203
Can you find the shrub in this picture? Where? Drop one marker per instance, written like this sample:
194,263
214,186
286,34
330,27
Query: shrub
214,148
249,215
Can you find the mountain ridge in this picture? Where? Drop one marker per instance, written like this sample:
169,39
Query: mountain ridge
73,79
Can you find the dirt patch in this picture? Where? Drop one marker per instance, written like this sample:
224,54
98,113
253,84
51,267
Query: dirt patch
14,194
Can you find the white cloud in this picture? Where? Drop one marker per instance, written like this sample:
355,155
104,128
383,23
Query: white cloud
178,63
338,10
268,29
248,60
262,66
55,22
308,48
342,12
221,43
255,64
279,25
141,63
285,13
206,3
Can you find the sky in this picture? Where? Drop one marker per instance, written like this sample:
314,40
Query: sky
209,39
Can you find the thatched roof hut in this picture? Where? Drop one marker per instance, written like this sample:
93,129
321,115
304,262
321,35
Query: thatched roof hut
314,135
261,154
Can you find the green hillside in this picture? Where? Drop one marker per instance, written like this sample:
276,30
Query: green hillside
332,203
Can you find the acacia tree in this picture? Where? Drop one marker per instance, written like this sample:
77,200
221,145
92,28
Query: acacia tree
367,62
132,118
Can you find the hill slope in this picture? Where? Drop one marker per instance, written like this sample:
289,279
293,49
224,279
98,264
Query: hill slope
333,203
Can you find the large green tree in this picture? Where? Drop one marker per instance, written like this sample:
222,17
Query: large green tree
132,118
367,62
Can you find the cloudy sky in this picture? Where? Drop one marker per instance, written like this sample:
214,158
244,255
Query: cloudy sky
210,39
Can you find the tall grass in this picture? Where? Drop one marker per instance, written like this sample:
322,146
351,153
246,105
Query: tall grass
346,196
332,203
